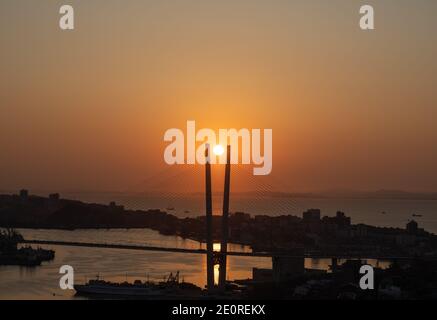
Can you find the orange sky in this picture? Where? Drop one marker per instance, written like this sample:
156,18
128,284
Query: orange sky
87,110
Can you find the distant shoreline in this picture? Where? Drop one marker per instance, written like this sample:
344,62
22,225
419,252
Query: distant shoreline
371,195
326,234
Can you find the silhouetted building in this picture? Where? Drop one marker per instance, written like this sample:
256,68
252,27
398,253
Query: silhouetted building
311,215
24,195
342,220
240,217
311,220
360,230
340,225
284,268
407,239
262,275
114,207
287,268
54,196
412,227
53,202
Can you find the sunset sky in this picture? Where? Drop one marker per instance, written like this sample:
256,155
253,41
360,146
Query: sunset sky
87,109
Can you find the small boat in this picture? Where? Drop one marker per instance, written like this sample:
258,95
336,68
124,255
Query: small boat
417,215
170,208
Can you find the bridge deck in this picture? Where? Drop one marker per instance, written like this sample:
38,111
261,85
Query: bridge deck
138,247
203,251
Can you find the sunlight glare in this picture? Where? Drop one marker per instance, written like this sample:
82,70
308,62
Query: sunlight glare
218,150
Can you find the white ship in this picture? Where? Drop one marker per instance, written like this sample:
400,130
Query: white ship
168,289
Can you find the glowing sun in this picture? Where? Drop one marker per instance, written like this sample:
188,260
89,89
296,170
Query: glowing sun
218,150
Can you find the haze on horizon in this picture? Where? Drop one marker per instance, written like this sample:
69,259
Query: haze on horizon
87,109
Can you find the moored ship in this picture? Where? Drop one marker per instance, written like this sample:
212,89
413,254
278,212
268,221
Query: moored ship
11,254
171,288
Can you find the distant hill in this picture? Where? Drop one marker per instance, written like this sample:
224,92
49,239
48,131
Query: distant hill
380,194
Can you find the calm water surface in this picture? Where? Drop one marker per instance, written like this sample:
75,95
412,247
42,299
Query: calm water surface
120,265
116,265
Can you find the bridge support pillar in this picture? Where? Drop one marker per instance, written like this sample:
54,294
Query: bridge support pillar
209,244
224,242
